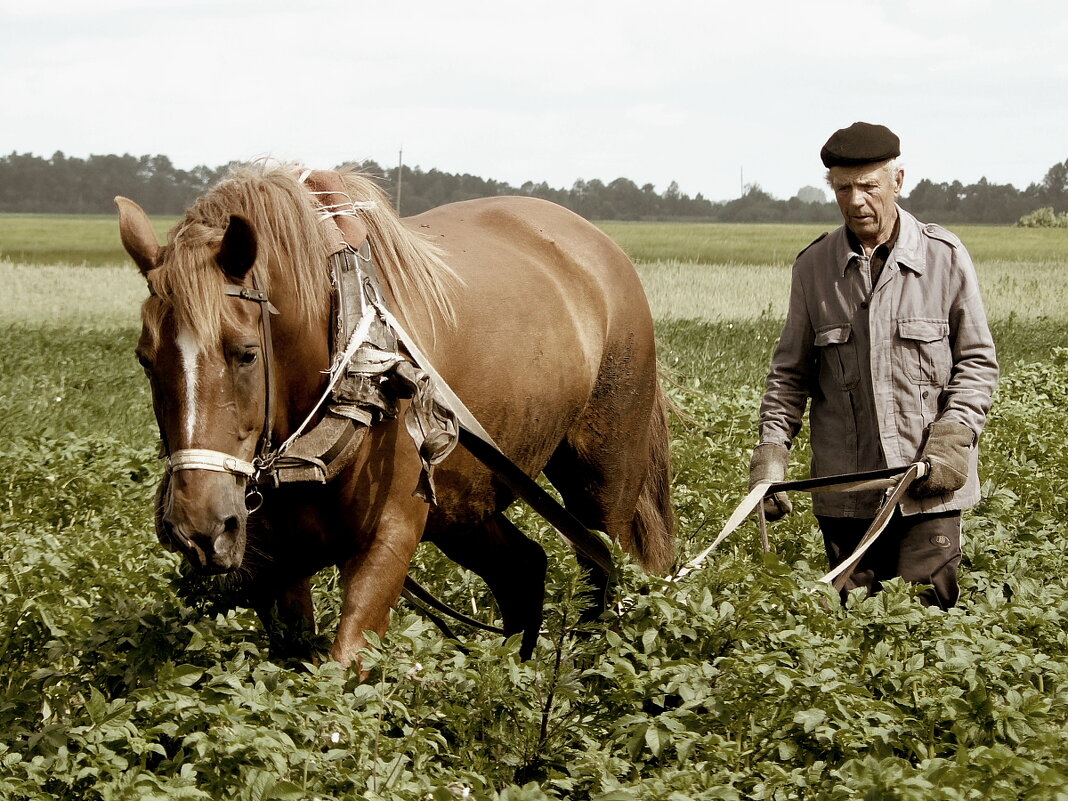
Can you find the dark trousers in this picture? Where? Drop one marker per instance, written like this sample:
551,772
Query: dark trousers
923,549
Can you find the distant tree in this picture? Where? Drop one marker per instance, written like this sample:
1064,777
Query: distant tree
61,184
755,205
931,201
1044,218
811,194
1054,189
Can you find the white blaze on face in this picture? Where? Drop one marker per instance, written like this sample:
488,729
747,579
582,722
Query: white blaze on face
189,354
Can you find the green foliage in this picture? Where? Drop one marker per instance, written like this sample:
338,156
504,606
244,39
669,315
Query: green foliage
739,682
777,245
121,679
49,239
57,381
1044,217
713,243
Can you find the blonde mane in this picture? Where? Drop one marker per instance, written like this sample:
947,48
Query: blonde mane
292,251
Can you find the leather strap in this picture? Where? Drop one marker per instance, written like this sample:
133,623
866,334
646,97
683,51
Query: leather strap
322,453
419,595
264,446
840,575
847,482
203,459
257,295
481,445
897,478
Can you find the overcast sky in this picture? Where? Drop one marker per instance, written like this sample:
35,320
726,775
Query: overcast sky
709,94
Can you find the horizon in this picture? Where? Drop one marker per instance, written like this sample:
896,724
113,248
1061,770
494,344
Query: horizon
822,187
710,96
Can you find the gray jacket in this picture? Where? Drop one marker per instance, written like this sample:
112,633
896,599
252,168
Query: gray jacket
880,366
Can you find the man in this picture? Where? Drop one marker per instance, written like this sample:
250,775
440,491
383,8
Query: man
887,337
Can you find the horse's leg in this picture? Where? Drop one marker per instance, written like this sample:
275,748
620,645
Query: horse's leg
601,499
512,565
372,580
613,472
288,617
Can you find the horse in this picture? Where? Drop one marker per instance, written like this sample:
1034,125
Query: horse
529,314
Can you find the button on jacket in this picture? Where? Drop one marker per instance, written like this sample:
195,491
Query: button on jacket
879,366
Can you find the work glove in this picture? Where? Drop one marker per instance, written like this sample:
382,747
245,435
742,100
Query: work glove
769,464
947,455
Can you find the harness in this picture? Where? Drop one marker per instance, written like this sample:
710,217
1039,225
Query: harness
368,374
366,377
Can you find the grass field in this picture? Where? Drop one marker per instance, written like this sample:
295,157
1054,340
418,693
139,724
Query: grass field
120,678
93,240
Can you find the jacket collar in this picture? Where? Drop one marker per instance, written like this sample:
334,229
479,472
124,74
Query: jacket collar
910,250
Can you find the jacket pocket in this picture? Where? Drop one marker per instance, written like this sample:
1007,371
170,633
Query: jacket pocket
925,350
838,355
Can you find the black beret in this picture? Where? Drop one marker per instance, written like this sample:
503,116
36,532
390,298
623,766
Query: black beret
860,143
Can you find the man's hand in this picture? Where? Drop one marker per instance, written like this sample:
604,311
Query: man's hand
769,464
947,453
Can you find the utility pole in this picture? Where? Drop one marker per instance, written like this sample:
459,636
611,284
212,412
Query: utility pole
400,172
741,182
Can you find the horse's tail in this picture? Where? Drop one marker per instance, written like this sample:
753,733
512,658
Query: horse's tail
654,520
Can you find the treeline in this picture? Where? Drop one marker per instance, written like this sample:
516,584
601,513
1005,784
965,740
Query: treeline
62,185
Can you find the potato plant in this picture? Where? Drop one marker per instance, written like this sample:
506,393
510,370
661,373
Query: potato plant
124,677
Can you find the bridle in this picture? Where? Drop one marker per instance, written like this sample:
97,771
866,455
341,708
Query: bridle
311,452
218,461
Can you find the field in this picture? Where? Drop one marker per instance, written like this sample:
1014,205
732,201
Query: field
121,677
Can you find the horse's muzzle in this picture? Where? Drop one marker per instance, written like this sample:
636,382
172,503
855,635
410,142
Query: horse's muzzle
203,518
220,551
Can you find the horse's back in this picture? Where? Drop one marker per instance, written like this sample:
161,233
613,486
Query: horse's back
509,234
545,295
553,351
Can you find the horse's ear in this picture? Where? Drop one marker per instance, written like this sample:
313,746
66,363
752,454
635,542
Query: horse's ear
138,235
237,253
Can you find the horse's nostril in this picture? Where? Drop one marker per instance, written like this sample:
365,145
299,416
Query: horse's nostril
231,524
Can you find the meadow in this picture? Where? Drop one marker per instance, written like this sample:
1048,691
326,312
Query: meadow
123,677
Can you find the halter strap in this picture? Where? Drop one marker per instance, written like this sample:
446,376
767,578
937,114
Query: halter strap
257,295
203,459
250,293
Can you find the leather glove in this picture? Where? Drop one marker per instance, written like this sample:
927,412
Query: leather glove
769,464
947,454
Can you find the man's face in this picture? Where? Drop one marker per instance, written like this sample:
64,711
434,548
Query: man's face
867,195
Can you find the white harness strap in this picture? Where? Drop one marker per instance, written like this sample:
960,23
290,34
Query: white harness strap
215,461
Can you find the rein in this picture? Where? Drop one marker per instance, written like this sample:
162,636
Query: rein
895,480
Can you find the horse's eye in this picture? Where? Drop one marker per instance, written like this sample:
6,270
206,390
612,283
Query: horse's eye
247,358
146,365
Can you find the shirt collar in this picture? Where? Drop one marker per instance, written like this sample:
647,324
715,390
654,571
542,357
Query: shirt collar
908,250
911,249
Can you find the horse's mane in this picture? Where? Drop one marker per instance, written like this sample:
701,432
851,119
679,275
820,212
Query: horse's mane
283,215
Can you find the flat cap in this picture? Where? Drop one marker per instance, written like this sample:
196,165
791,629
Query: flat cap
860,143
